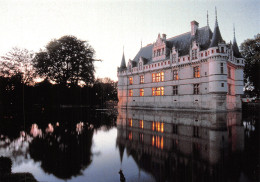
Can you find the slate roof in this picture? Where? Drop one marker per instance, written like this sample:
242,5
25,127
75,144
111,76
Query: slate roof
123,65
181,42
235,49
217,38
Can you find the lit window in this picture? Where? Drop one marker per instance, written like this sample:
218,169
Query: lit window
153,76
162,90
141,124
196,72
130,135
157,77
141,92
175,75
158,126
142,79
130,122
175,90
196,88
158,91
130,93
162,76
153,91
130,80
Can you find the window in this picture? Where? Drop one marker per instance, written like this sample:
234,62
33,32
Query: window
158,77
221,68
196,131
141,92
222,49
157,141
141,137
130,122
162,76
158,91
237,61
142,79
196,88
140,66
154,53
175,75
174,58
222,84
174,128
196,71
194,54
162,51
141,124
175,90
229,72
153,77
130,135
130,80
130,93
158,126
212,51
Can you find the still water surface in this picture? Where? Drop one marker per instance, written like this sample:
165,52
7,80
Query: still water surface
86,145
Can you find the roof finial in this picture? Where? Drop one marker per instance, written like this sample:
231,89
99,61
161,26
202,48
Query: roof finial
207,18
216,14
234,30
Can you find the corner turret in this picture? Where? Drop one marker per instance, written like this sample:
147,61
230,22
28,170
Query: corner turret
235,49
216,38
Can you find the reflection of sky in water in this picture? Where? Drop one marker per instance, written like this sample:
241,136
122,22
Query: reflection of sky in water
104,167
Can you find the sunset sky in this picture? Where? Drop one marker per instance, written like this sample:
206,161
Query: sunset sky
108,25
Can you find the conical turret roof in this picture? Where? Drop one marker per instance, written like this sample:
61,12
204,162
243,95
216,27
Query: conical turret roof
123,65
216,38
235,49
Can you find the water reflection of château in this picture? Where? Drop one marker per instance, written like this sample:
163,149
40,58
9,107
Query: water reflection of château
181,146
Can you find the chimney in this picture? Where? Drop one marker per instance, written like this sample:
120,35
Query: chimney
164,36
194,27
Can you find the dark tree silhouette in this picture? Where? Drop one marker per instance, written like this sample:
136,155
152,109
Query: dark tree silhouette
250,50
18,62
67,60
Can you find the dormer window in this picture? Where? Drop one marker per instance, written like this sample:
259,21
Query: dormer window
194,54
140,66
174,58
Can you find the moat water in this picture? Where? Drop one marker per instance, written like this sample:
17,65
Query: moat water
94,145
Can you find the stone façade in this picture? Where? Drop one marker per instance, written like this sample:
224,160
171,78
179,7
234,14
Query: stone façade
195,70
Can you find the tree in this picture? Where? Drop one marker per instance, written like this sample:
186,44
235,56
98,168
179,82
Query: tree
67,60
250,50
18,62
